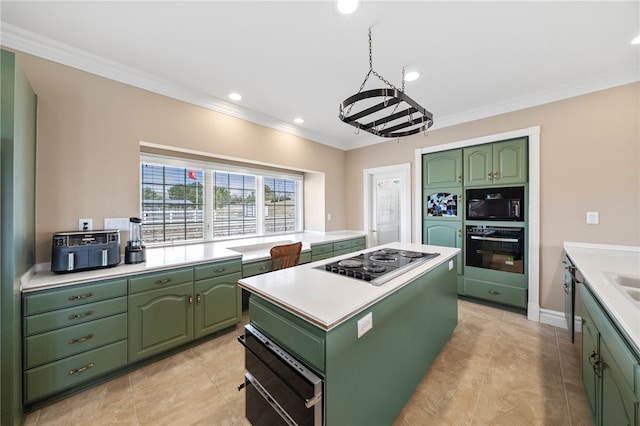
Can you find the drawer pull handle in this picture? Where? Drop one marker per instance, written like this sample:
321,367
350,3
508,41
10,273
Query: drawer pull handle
219,270
264,268
81,339
166,280
81,369
82,296
494,292
81,315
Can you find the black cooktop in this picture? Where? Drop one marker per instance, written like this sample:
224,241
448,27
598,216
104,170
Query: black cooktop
378,266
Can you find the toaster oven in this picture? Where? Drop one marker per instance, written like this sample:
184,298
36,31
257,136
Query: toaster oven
79,251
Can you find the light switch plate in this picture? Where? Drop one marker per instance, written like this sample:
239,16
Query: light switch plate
365,324
593,218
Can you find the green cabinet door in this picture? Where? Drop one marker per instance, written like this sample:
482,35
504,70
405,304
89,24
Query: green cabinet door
590,351
441,233
218,304
160,320
442,169
510,162
478,165
619,405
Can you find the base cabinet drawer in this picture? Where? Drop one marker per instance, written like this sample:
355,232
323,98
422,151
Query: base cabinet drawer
61,375
498,293
72,316
47,347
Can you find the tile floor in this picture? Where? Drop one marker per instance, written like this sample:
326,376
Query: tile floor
497,369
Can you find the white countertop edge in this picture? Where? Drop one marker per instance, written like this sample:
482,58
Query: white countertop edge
387,288
570,244
626,316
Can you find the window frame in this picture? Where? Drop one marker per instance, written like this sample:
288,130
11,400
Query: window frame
208,167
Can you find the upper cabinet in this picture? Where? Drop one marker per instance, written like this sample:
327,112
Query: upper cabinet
500,163
442,169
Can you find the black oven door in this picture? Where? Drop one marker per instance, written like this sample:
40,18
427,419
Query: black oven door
497,248
279,389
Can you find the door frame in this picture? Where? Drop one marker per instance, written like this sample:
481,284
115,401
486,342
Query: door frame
533,246
403,171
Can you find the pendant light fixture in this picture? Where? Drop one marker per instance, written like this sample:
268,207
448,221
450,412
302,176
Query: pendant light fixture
387,112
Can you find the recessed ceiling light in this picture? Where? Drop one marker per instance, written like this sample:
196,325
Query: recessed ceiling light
636,40
298,120
235,96
411,76
347,7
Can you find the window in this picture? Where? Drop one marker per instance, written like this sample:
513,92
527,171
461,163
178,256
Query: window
184,200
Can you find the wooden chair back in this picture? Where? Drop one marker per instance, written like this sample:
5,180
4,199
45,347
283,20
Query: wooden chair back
285,256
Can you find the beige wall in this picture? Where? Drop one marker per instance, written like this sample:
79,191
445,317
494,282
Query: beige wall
589,160
89,133
89,130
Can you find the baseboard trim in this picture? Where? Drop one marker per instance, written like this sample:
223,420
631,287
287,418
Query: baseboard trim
556,319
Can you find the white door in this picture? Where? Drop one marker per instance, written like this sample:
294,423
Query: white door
387,213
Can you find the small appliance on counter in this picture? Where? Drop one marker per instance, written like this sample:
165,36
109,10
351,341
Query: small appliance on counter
134,252
81,250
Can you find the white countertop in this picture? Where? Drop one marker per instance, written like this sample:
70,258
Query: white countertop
595,263
159,258
327,299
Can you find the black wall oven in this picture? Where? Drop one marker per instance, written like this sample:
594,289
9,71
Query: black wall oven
279,389
506,203
499,248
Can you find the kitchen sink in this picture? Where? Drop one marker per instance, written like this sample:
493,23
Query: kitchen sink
624,280
259,247
627,285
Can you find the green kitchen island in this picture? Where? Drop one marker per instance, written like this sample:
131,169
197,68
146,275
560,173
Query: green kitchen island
317,316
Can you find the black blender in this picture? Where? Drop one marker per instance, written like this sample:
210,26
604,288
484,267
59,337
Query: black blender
135,250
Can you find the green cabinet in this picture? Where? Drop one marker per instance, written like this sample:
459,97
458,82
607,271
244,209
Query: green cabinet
442,169
338,248
170,308
499,163
72,335
609,367
438,232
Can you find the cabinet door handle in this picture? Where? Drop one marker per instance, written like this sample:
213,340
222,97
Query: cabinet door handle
459,178
198,299
496,175
219,270
164,281
594,360
494,292
82,296
489,176
459,232
81,369
81,339
80,315
190,300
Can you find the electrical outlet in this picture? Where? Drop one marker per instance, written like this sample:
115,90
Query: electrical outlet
365,324
328,217
85,224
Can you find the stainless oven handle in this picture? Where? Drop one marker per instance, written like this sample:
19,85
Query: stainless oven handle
501,240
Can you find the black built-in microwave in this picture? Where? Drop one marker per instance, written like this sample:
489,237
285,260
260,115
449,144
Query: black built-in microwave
506,203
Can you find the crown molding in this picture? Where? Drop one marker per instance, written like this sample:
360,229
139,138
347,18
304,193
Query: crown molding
34,44
31,43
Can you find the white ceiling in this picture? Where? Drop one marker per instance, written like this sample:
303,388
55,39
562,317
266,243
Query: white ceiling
301,58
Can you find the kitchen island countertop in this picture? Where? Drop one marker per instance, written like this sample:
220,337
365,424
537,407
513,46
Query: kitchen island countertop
327,299
596,262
